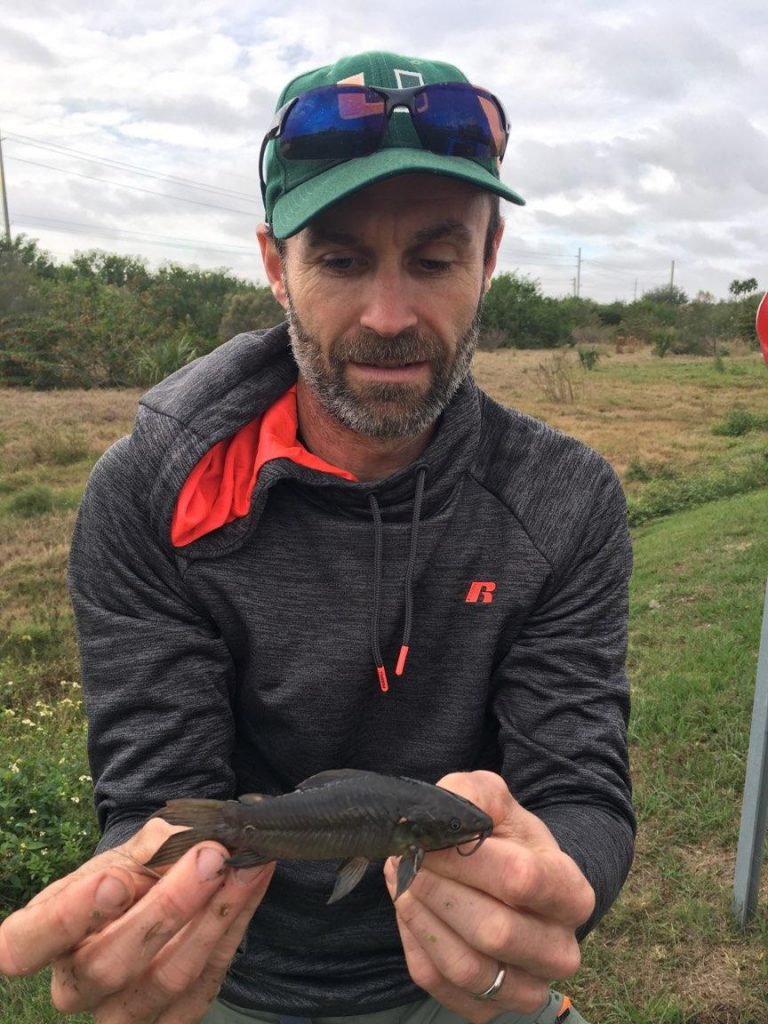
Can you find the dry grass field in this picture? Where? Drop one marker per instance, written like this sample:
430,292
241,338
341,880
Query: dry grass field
679,429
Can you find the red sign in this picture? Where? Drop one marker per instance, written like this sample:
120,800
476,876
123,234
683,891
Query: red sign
761,323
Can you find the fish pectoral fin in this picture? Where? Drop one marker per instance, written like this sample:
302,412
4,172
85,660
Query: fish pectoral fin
177,845
349,874
253,798
248,859
409,865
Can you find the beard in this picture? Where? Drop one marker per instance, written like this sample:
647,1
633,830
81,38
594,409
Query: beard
383,409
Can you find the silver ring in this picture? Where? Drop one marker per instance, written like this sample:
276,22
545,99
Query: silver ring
493,989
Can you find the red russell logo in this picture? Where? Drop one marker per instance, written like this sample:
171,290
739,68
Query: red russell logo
480,592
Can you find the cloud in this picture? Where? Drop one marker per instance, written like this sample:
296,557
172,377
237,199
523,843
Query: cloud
639,133
22,46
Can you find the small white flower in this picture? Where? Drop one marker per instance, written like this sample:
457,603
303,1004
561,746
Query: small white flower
14,766
32,810
84,778
75,799
27,721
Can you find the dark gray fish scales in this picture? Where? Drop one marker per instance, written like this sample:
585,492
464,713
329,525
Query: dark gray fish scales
347,815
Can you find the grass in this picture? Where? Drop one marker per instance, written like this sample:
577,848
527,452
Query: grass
668,953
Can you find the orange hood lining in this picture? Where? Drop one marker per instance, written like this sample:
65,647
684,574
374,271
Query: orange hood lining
219,488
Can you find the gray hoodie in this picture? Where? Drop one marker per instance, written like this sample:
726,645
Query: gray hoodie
245,661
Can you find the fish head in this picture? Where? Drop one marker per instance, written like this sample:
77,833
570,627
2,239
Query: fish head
449,821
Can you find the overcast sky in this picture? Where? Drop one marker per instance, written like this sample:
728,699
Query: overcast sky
639,131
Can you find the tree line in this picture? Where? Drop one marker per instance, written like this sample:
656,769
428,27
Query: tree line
106,320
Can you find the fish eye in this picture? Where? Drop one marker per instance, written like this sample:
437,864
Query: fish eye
454,825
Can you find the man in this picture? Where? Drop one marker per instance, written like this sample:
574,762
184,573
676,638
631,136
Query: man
323,547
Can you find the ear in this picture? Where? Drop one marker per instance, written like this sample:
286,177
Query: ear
490,266
273,265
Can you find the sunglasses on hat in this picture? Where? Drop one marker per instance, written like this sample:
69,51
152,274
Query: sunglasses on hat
341,122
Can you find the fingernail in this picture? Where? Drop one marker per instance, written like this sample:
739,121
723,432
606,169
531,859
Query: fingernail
210,863
246,876
111,894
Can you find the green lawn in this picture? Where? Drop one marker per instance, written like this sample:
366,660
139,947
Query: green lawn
668,952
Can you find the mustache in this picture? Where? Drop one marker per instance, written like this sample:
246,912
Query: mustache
369,347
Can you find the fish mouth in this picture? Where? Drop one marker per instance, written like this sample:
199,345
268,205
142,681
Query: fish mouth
476,840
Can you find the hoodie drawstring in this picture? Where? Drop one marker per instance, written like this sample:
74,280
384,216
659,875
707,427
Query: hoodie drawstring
378,544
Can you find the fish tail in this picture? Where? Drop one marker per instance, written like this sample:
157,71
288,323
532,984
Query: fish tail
202,818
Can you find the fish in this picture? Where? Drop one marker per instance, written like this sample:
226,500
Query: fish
345,814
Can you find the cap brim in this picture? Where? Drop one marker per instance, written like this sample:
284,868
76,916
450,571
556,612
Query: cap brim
296,208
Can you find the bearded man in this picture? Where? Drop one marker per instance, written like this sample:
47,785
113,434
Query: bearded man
323,547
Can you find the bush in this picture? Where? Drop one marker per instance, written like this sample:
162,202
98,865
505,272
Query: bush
588,357
163,359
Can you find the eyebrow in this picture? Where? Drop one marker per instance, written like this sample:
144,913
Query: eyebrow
445,229
318,234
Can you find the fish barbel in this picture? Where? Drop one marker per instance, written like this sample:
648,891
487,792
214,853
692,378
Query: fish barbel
347,815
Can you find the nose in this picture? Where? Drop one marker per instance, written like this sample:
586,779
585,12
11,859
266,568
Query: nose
388,307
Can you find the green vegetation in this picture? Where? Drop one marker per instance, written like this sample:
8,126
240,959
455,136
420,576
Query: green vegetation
104,320
668,951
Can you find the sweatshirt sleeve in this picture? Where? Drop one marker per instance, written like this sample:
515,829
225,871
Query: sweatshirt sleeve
562,696
157,677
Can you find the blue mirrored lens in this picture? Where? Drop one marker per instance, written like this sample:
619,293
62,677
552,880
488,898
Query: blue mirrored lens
455,119
333,123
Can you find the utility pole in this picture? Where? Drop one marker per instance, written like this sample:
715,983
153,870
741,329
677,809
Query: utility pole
578,275
672,276
5,197
634,299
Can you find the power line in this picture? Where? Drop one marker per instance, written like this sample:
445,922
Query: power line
133,188
26,140
183,243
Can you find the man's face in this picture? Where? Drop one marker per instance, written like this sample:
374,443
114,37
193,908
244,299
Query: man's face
383,296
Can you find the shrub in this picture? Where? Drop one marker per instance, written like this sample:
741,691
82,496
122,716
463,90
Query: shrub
560,378
588,357
164,358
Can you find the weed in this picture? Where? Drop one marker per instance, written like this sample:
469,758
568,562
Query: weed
46,816
34,501
663,496
589,357
164,358
59,447
643,470
560,378
739,421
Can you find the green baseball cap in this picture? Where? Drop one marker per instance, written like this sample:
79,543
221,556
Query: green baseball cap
298,190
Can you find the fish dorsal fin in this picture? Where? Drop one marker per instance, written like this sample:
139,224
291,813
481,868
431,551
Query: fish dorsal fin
349,874
253,798
334,775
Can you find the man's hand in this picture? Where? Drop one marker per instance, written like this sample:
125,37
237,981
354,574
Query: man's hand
515,903
129,947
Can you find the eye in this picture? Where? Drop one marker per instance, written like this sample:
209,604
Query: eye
454,825
435,266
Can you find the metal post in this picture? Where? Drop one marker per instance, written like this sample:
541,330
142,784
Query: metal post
5,197
754,809
578,276
672,276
